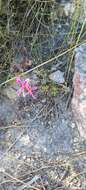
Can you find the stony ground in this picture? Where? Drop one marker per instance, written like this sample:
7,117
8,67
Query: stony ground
40,147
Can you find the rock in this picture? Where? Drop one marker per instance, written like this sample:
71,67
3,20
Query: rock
69,8
79,95
10,92
57,77
7,112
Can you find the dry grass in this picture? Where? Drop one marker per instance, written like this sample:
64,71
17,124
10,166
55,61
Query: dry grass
46,174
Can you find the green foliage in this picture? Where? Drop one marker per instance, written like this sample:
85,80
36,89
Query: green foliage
50,89
53,89
45,88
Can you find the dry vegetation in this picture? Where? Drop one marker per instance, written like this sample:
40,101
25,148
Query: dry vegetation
28,27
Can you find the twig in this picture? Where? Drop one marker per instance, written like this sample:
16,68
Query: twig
12,145
42,183
74,176
19,181
35,178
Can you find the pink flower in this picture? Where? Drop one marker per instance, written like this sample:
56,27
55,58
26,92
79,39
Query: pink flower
25,86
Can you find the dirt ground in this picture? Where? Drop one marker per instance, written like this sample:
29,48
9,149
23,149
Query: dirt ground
40,147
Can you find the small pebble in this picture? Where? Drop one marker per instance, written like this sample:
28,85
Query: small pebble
73,125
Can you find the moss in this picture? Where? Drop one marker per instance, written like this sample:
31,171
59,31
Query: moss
54,90
50,88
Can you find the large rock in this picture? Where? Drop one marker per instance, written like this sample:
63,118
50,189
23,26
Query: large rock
79,96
